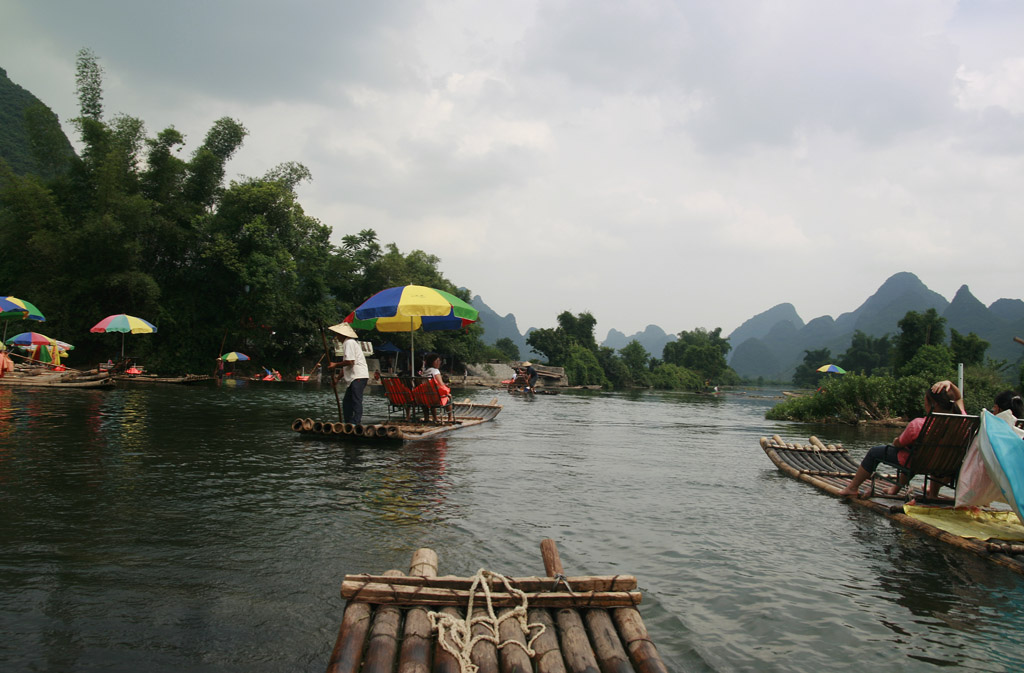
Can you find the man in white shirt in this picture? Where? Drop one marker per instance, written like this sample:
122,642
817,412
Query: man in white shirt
353,368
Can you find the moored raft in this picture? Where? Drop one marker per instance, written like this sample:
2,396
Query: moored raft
829,468
466,414
553,624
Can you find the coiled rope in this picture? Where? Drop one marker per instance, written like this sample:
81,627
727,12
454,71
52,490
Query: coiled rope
459,631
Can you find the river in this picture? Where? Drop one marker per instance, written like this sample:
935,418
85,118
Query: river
173,528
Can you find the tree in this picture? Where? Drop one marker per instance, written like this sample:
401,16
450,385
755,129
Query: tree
702,351
931,362
579,328
970,349
89,85
866,354
916,330
636,358
508,348
807,374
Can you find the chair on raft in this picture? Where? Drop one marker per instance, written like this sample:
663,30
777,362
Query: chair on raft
400,396
436,404
939,451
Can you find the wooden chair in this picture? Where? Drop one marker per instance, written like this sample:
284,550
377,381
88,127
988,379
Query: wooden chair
938,452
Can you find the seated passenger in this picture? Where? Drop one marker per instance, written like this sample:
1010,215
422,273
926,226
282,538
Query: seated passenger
943,398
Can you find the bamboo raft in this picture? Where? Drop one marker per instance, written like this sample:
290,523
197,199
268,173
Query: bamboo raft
590,624
152,378
69,379
829,468
467,414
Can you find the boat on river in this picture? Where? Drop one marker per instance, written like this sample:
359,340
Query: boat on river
994,534
465,414
53,379
551,624
153,378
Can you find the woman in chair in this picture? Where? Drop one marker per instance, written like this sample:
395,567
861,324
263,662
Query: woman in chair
944,398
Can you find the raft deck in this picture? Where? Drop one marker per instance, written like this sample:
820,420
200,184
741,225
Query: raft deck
830,469
466,414
590,624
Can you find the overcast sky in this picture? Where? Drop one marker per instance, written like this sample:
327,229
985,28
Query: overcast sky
682,163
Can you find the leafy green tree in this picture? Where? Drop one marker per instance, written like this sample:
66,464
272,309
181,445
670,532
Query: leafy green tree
579,328
615,370
916,330
583,368
866,354
508,348
636,360
970,349
806,374
931,362
701,351
553,343
667,376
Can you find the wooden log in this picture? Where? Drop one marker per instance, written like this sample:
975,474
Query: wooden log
547,653
318,426
382,648
339,428
638,644
514,658
579,657
350,428
395,594
348,649
418,639
485,653
307,424
445,661
297,425
816,443
611,657
528,584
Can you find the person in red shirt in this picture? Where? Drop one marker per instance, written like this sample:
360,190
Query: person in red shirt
944,398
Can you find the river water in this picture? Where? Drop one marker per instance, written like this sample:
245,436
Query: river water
178,528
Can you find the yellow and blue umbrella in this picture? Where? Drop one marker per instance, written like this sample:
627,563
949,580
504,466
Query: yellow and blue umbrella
412,307
831,369
120,322
234,356
13,308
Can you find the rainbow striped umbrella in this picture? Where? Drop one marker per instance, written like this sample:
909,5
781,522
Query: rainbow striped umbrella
412,307
831,369
234,356
123,323
13,308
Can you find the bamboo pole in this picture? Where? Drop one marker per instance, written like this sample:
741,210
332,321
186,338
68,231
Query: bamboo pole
387,594
382,648
607,647
642,652
579,656
534,584
514,659
334,384
417,639
445,661
548,655
348,649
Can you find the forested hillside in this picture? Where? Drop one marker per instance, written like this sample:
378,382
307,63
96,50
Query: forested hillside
31,139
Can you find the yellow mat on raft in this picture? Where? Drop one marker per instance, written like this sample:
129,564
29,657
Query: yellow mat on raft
970,522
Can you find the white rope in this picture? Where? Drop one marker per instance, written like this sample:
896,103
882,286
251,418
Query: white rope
460,641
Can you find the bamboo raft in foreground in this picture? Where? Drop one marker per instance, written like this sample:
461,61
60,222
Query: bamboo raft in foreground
467,414
590,624
829,468
68,379
150,378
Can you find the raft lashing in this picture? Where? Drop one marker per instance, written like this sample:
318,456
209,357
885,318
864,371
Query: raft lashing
466,414
416,623
829,468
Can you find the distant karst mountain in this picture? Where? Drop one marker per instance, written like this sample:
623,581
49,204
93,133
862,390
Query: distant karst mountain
772,344
46,150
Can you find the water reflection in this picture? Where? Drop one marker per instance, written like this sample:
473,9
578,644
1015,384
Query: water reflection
412,487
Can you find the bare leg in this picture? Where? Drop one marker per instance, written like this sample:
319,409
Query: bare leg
854,486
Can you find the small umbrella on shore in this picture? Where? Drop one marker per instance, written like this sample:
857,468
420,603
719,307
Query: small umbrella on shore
831,369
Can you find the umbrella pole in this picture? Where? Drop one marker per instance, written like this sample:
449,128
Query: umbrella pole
334,384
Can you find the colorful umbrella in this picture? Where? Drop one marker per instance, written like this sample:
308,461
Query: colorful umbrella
234,357
12,308
36,339
124,324
411,307
831,369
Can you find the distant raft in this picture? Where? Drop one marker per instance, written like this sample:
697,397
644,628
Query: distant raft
830,468
465,414
554,624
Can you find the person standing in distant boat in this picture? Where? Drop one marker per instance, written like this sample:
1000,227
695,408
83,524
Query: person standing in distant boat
531,377
354,370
